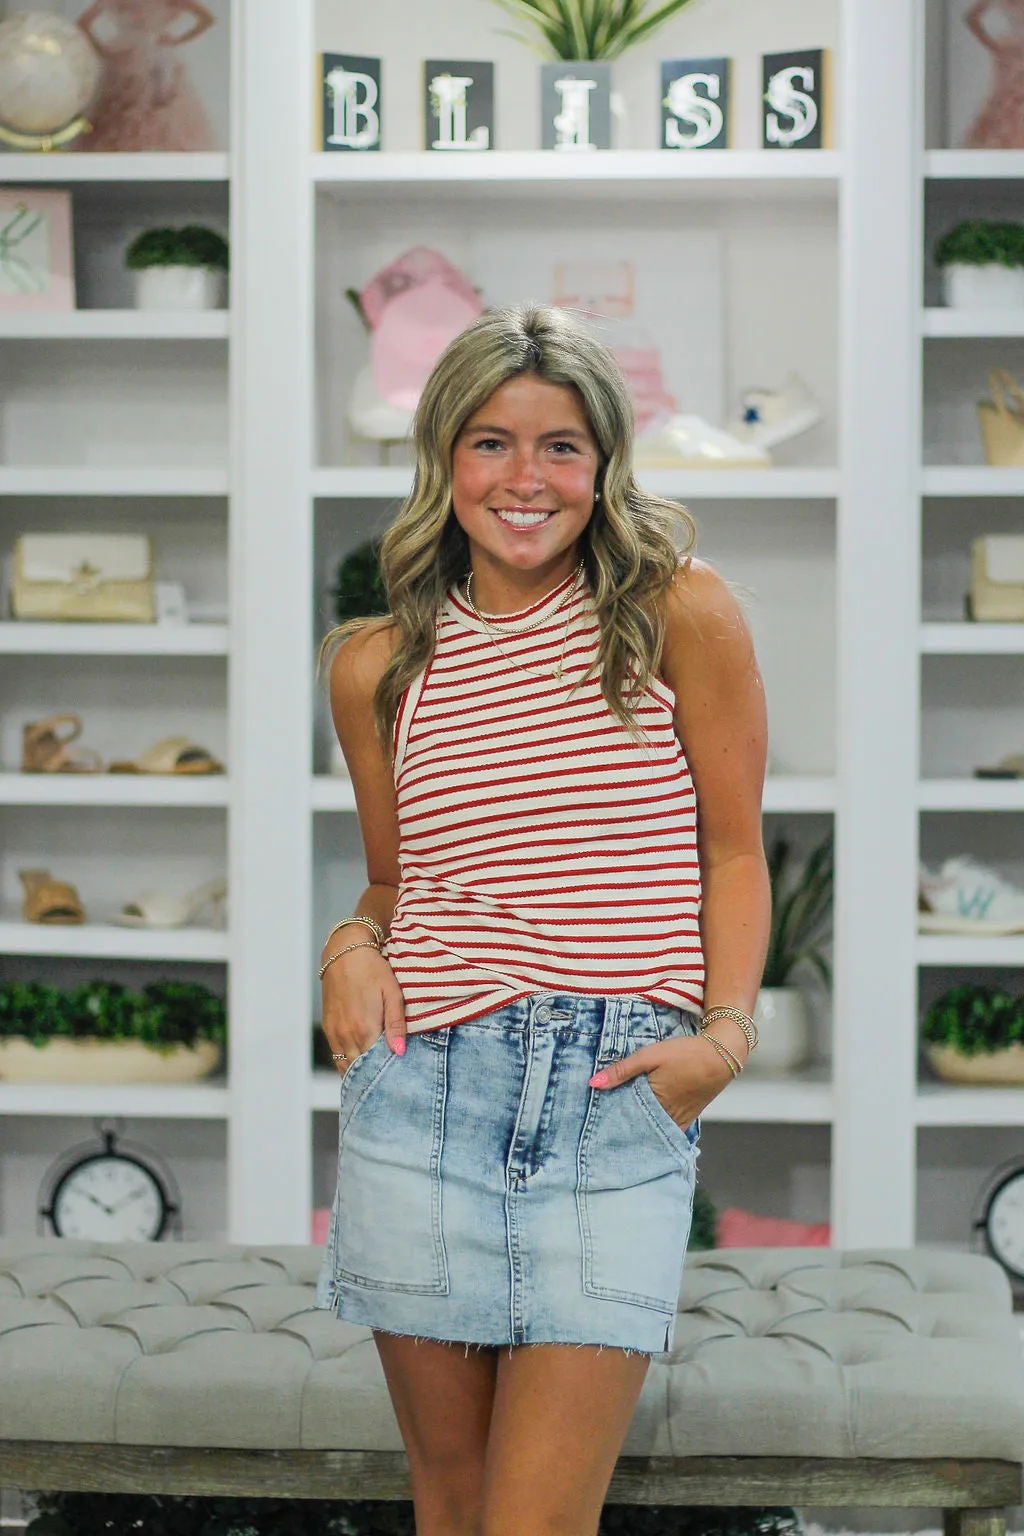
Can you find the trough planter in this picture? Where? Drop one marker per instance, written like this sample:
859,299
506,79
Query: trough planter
1002,1068
104,1061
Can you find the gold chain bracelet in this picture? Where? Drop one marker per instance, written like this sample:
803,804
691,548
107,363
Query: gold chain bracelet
366,944
744,1021
369,921
725,1053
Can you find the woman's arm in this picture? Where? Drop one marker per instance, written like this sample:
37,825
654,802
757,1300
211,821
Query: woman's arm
721,721
975,22
203,22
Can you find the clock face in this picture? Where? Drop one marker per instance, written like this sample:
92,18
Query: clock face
1004,1223
109,1198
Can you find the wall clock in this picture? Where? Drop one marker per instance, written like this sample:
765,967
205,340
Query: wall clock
999,1219
110,1191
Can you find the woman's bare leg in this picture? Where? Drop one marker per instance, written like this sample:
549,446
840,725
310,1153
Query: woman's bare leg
560,1416
442,1396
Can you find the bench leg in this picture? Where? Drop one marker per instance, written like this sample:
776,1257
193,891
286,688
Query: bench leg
974,1522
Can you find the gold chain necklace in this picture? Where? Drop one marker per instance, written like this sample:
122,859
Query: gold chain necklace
557,673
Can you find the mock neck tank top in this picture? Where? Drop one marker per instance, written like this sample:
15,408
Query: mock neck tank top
541,849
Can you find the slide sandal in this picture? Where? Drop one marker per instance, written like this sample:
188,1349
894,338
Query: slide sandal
48,900
46,750
158,909
175,754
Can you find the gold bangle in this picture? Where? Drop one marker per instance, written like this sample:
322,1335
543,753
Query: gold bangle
369,921
744,1021
366,944
725,1053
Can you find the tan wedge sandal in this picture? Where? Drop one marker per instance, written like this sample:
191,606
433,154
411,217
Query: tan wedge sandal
46,750
48,900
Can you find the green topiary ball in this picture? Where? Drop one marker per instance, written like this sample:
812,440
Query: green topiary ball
359,591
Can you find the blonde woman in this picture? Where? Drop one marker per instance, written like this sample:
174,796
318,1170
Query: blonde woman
530,734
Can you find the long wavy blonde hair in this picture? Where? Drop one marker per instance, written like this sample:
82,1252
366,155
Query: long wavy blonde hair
628,551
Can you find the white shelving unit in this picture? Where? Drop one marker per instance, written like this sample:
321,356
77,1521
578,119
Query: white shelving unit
828,544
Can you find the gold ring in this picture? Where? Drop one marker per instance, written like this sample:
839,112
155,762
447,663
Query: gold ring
338,1056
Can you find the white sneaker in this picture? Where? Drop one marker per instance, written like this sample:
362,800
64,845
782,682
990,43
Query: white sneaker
771,416
690,442
965,897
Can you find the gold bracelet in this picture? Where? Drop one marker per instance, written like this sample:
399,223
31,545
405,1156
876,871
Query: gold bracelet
725,1053
366,944
744,1021
370,923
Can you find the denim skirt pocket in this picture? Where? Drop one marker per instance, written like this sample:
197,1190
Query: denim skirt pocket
636,1173
388,1231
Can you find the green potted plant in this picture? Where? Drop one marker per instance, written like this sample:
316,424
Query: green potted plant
179,268
801,924
590,30
982,265
101,1032
974,1033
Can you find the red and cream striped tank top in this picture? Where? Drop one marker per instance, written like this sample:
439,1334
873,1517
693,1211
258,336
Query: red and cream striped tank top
541,849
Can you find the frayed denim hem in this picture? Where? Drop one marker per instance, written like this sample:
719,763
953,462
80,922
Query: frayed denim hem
468,1344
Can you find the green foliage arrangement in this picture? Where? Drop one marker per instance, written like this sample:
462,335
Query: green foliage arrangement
982,243
191,246
973,1018
705,1222
589,29
162,1015
359,590
88,1514
801,912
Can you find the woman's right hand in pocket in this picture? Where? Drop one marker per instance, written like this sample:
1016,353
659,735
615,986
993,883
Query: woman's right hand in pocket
361,1001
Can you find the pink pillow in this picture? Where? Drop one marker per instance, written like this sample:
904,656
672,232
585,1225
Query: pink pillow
321,1225
742,1229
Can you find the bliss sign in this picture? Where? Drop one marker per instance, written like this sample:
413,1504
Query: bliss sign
695,104
350,103
458,105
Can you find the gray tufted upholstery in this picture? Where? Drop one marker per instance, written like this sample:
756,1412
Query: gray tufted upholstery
778,1352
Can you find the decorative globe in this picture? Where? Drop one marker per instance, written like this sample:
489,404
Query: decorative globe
49,72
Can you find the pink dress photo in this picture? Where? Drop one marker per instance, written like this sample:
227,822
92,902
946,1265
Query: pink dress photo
1000,122
146,99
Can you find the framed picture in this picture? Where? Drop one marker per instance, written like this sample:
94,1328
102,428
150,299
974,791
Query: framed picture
36,267
350,103
695,103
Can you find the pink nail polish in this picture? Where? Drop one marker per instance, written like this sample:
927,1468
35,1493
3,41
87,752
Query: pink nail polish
599,1080
400,1046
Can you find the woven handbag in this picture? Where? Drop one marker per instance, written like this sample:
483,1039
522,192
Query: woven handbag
1002,420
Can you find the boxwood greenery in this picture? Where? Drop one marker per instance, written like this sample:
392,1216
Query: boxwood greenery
87,1514
982,243
974,1018
358,590
191,246
162,1015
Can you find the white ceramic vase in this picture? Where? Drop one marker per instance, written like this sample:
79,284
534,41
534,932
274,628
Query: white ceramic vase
992,286
783,1022
187,288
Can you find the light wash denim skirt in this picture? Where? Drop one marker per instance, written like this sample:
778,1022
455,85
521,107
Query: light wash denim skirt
487,1195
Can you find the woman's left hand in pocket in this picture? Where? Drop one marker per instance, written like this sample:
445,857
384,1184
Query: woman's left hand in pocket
684,1074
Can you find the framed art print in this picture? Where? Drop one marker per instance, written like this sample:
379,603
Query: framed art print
36,267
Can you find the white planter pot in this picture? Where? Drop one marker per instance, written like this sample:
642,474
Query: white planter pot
989,287
180,288
783,1022
1003,1068
104,1061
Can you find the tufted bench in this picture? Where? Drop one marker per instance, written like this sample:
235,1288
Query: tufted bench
798,1377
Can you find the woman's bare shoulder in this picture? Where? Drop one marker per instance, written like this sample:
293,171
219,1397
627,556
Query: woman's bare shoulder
699,605
360,660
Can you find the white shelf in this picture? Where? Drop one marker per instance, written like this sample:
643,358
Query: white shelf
970,795
963,639
115,789
953,949
22,638
781,794
786,793
687,485
109,941
974,164
92,480
635,173
950,1104
71,167
138,1101
971,480
116,325
956,323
